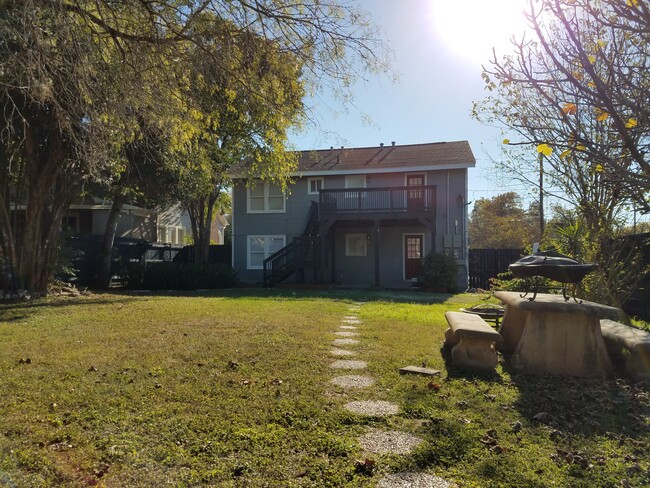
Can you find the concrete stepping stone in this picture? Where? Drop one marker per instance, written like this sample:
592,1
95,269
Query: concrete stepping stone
373,408
351,317
348,327
419,370
348,364
351,321
344,342
346,333
414,480
388,442
353,381
342,352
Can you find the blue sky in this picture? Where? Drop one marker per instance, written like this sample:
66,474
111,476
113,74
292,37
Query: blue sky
439,47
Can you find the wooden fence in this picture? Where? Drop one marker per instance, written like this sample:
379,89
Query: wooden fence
488,263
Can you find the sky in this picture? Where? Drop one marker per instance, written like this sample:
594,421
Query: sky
439,47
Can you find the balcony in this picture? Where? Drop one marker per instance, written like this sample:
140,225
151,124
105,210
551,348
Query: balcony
398,200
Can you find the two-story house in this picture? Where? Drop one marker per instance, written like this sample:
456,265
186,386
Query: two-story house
355,216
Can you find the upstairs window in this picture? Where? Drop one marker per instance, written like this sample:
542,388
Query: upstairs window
266,198
314,185
355,181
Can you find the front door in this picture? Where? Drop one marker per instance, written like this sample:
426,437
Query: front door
413,247
415,197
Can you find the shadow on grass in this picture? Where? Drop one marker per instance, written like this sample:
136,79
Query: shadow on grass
357,295
582,406
58,302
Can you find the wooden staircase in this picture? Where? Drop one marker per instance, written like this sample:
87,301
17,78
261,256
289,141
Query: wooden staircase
297,256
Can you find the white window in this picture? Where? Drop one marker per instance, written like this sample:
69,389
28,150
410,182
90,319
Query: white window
314,185
261,247
266,198
356,244
355,181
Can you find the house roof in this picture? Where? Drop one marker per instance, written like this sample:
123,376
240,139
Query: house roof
435,155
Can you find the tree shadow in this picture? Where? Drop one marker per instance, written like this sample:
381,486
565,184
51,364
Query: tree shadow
583,406
353,294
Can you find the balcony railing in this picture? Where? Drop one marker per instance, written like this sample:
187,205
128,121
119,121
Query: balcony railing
412,199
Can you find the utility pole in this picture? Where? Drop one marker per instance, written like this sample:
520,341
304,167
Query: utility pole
541,195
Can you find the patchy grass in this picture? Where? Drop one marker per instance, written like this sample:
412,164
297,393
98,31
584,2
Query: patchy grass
232,389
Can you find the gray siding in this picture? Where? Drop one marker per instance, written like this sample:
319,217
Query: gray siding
450,216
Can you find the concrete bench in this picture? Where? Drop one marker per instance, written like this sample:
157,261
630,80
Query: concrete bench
622,340
471,340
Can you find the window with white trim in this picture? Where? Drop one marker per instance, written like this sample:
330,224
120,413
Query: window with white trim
355,181
356,244
265,198
314,185
261,247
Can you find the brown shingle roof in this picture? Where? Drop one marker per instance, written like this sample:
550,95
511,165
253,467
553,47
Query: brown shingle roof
389,157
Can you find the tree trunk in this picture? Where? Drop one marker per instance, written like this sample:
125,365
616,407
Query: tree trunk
201,211
104,275
48,172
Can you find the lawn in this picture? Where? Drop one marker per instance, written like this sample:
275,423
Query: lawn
233,389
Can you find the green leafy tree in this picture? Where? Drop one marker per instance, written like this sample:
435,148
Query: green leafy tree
502,223
577,93
245,119
77,76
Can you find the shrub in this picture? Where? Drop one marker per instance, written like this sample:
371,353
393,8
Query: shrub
440,272
176,276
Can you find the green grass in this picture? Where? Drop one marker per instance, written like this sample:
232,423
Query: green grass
232,389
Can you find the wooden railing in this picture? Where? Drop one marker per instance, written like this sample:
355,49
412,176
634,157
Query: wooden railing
414,199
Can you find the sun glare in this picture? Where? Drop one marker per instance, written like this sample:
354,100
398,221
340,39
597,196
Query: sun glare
471,28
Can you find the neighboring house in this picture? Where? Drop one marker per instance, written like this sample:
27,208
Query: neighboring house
218,228
88,216
355,217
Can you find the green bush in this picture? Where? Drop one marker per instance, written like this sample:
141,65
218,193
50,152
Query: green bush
175,276
440,272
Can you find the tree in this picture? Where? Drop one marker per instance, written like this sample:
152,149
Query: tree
68,73
501,223
247,117
578,93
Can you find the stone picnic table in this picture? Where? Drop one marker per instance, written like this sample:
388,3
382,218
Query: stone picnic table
551,335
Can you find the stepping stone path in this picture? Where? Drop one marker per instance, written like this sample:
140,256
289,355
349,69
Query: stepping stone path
414,480
353,381
346,334
341,352
373,408
348,364
385,442
375,440
351,321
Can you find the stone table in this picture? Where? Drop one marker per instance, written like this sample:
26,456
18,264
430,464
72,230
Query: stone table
553,336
